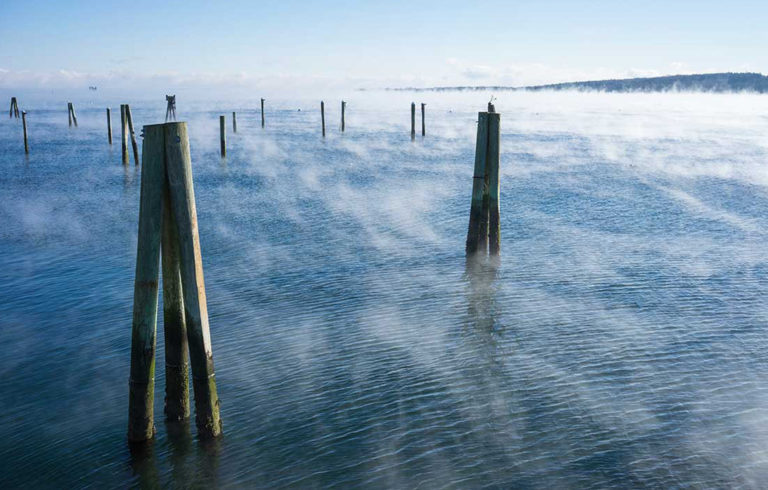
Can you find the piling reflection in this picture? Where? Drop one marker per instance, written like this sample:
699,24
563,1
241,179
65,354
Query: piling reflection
483,309
144,464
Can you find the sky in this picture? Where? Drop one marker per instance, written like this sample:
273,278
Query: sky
301,44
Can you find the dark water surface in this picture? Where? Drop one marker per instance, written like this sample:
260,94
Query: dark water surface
621,341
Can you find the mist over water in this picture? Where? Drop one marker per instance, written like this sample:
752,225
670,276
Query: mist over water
620,341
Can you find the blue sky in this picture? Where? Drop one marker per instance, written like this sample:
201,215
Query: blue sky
296,43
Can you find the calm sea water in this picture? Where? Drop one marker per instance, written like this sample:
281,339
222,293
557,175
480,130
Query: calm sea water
621,341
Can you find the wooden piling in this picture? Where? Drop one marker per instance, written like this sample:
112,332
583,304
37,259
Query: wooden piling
223,136
413,120
322,116
24,125
175,327
343,109
10,112
72,110
484,210
14,108
129,118
124,127
109,125
142,382
170,108
423,125
262,113
234,122
179,169
69,113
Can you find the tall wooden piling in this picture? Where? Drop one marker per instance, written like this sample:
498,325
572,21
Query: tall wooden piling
69,113
223,136
168,223
413,120
24,125
262,113
179,168
484,197
423,124
124,128
72,115
129,118
343,110
234,122
322,116
109,125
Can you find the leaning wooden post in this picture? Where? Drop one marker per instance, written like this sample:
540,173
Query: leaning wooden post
24,125
322,116
175,327
14,108
234,122
123,126
74,116
494,217
262,113
343,108
109,125
413,120
69,113
223,136
129,118
476,231
179,168
142,383
423,125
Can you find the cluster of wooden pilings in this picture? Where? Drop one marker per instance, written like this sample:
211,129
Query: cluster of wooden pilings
413,120
484,234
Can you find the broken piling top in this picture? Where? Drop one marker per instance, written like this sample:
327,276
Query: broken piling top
484,233
166,183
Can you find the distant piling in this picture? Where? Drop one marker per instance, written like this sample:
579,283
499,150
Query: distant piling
109,125
124,128
223,136
170,108
322,116
423,124
166,183
343,110
484,233
129,118
262,113
72,115
413,120
14,108
24,125
234,122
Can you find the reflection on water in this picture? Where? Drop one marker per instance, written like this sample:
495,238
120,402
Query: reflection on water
619,342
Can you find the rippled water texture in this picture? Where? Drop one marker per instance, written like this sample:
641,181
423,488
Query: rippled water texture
621,342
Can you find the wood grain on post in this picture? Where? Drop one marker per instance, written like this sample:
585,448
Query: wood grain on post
343,110
123,126
179,168
24,125
262,113
423,125
223,136
133,135
477,235
413,120
494,221
234,122
322,116
109,125
142,382
175,327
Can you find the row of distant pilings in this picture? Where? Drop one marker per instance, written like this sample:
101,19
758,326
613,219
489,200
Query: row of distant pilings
168,230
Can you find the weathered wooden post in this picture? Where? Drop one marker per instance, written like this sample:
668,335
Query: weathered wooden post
222,136
343,107
124,127
129,118
69,113
484,210
170,108
262,113
14,108
109,125
24,125
423,125
322,116
72,112
413,120
10,112
168,222
234,122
